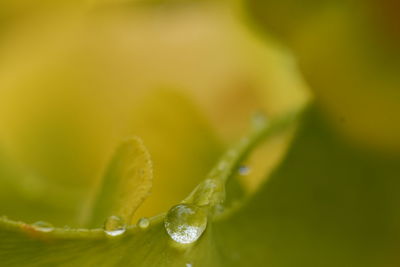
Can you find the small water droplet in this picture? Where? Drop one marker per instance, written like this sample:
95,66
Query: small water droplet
143,223
114,226
185,223
244,170
189,264
43,226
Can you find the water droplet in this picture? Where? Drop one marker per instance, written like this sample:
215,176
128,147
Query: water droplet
185,223
114,226
43,226
259,120
189,264
143,223
244,170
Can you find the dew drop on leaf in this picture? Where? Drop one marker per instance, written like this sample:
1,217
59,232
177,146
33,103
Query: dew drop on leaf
185,223
143,223
114,226
43,226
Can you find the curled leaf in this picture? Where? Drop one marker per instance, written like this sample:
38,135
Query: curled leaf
209,244
126,184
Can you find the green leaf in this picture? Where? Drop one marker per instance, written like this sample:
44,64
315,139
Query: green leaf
350,61
139,246
330,203
126,184
212,190
27,196
182,144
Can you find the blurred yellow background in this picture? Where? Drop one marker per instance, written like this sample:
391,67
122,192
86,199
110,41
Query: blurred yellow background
185,78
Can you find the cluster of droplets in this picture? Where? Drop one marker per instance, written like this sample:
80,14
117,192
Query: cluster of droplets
185,223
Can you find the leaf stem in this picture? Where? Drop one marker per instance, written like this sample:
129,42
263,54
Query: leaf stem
212,190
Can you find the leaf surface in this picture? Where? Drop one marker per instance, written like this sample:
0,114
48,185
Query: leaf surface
126,184
140,247
328,204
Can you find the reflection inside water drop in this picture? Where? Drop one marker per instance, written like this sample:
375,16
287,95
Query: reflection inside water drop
114,226
185,223
143,223
116,232
43,226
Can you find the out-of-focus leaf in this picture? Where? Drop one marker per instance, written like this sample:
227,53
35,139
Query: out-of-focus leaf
26,195
329,203
348,53
126,184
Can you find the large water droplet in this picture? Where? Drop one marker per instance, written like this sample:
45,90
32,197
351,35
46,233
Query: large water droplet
114,226
43,226
185,223
143,223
